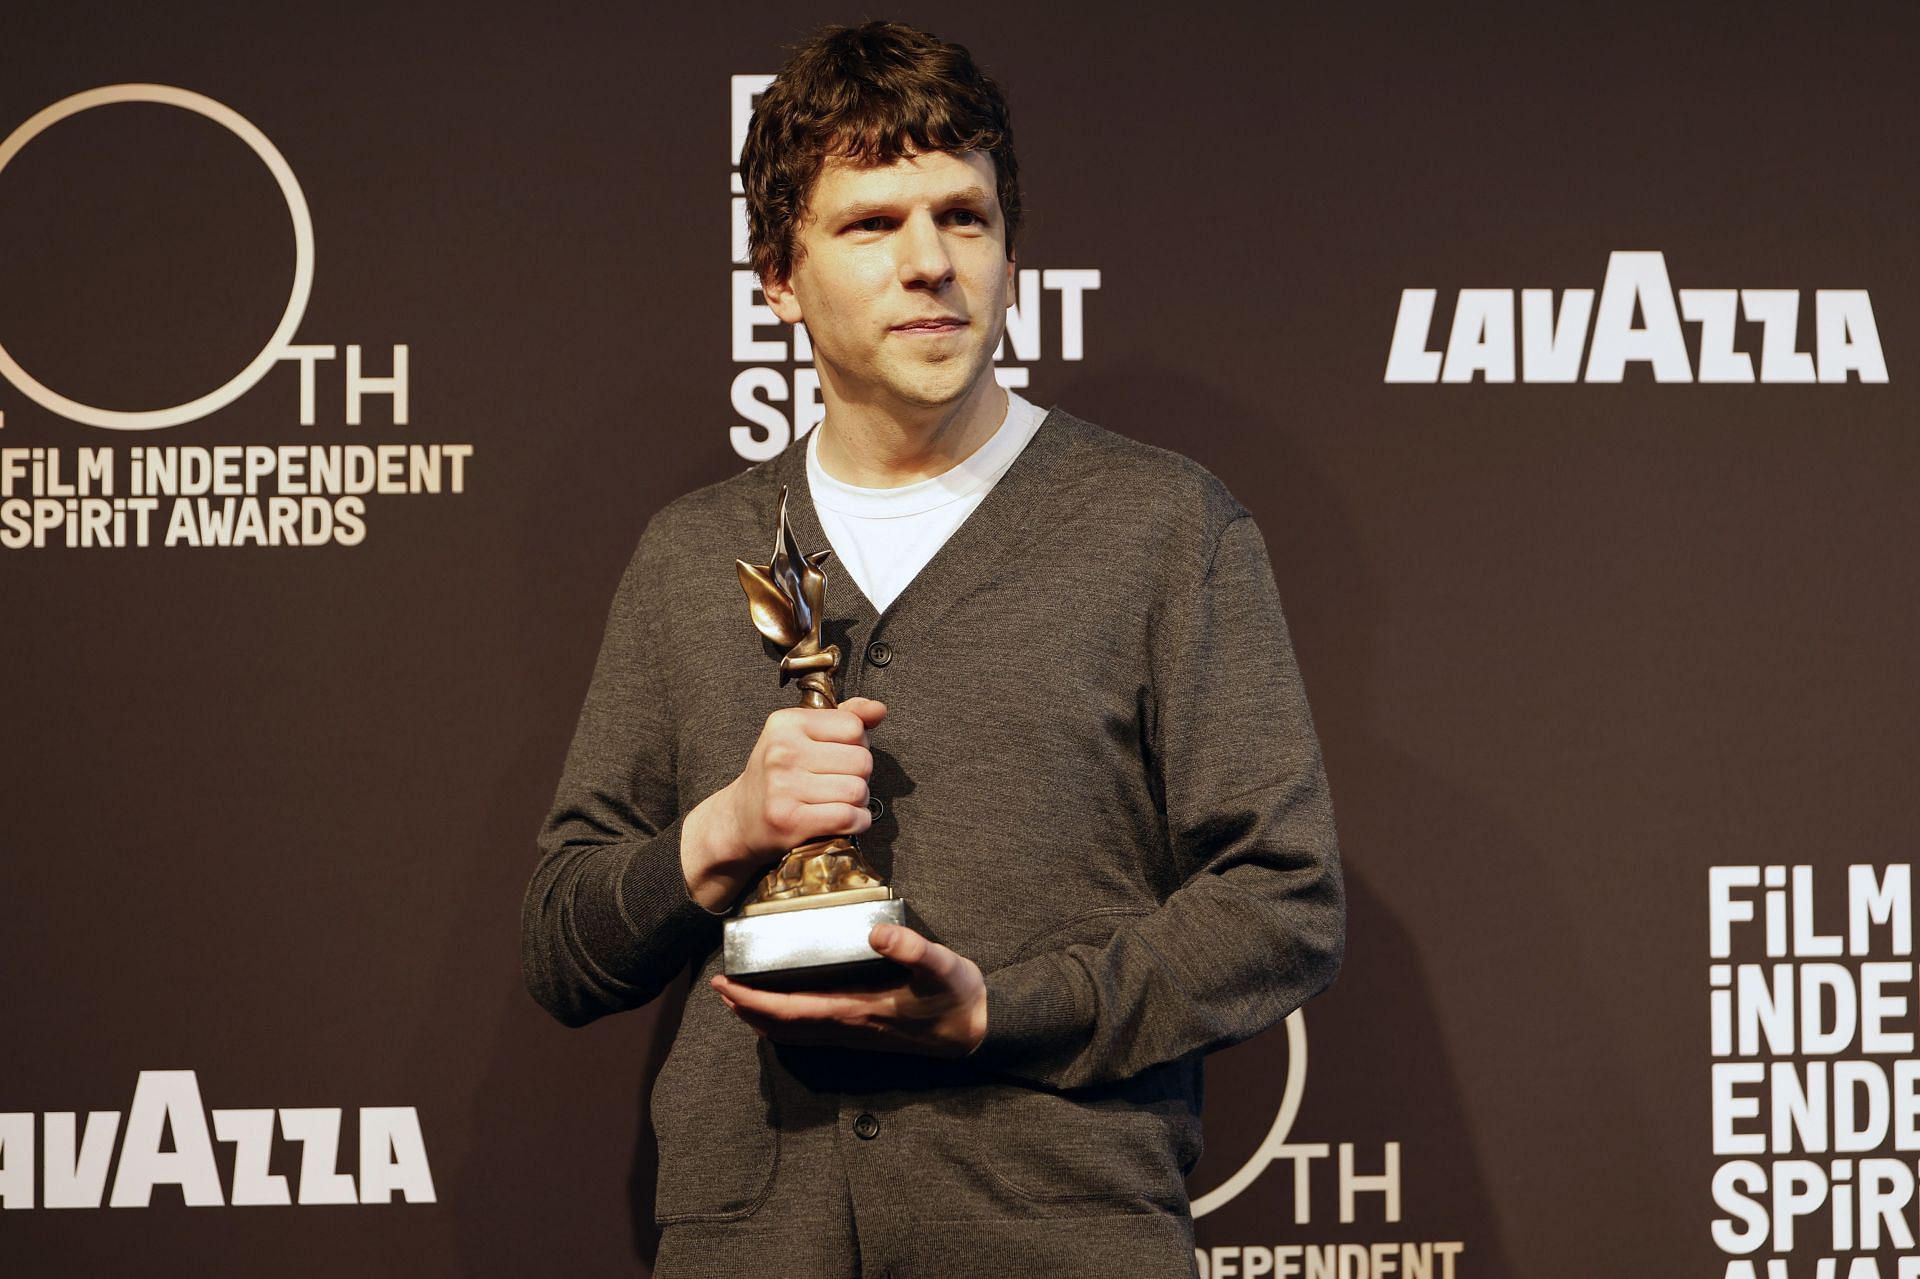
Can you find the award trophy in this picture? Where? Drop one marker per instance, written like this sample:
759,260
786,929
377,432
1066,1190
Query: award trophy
806,923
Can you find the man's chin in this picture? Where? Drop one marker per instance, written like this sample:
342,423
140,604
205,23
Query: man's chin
928,398
940,391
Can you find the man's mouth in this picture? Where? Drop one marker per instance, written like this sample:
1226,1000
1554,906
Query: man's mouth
936,324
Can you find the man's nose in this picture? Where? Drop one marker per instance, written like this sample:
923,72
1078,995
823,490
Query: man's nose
924,262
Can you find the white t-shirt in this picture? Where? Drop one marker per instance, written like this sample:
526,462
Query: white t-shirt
884,537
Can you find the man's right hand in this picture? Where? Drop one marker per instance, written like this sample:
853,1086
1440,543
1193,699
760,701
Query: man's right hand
805,779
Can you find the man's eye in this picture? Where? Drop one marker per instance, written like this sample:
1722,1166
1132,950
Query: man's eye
871,224
967,217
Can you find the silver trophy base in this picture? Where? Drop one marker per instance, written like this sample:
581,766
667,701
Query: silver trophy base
806,947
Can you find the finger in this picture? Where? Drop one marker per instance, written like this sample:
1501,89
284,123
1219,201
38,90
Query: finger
780,1032
840,725
750,1005
830,788
848,760
871,712
822,821
788,1006
796,819
905,946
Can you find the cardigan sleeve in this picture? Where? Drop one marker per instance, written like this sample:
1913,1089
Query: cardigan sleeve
1257,926
608,920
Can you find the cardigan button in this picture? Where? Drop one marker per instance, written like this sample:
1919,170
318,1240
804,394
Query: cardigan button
879,652
866,1127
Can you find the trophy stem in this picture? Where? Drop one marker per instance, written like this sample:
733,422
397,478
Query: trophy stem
816,691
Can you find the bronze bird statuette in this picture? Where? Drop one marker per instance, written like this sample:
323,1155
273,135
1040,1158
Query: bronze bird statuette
785,598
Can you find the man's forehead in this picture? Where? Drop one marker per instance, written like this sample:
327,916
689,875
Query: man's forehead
845,179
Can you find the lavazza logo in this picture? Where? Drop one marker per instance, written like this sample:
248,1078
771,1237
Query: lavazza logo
1482,341
1389,1259
300,494
168,1142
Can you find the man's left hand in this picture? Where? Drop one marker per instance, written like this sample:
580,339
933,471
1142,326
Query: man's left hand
939,1010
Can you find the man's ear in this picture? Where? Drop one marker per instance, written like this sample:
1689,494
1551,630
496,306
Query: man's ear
1010,274
780,298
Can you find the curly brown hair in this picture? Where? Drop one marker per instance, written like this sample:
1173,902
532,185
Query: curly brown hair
871,95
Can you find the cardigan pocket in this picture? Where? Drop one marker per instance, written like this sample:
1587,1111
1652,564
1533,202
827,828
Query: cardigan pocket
714,1115
1119,1146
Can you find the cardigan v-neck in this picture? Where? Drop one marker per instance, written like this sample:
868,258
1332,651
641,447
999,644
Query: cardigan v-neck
1005,522
883,537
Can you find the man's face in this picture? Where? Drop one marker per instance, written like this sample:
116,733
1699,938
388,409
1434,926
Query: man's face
902,278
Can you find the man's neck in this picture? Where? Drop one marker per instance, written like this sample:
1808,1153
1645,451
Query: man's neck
887,445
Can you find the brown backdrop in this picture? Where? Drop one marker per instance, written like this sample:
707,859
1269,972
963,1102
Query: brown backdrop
269,810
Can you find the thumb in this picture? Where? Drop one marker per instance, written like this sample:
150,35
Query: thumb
905,946
902,945
869,711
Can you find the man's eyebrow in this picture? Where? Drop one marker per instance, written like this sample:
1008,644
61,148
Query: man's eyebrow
970,196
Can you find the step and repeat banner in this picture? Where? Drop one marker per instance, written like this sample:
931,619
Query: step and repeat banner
1566,362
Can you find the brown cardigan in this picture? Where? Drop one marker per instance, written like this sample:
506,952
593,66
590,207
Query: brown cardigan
1100,782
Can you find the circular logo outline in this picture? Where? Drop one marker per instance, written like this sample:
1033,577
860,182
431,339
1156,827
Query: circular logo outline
276,347
1276,1139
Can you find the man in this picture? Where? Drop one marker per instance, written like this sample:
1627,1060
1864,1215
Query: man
1073,738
